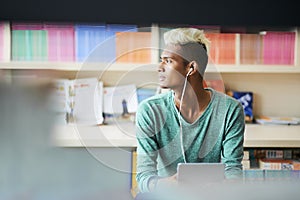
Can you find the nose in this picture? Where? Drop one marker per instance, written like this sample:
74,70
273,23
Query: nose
160,67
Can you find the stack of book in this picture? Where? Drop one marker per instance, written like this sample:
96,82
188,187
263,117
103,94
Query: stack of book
29,42
133,47
279,48
277,159
250,48
4,41
60,41
246,160
87,38
223,48
278,120
97,42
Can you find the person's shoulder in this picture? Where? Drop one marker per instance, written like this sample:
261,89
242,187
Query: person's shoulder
223,97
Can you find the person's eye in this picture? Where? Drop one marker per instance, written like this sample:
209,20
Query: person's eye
168,61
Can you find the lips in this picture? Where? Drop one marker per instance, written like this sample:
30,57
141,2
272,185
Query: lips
161,78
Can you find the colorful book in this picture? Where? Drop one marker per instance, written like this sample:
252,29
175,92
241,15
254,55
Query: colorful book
250,49
133,47
5,45
222,48
29,42
296,165
279,48
275,164
88,40
61,42
110,36
274,154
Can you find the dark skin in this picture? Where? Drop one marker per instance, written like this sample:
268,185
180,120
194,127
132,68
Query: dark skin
172,72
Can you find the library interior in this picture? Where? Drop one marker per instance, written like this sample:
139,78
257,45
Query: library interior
70,92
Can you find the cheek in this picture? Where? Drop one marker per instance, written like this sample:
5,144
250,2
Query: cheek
174,76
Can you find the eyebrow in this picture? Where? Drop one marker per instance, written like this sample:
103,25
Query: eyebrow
165,57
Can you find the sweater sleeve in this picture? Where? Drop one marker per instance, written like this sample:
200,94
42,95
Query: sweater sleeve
147,148
232,151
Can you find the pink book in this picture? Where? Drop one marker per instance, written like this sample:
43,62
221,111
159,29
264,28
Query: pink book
5,46
60,41
279,48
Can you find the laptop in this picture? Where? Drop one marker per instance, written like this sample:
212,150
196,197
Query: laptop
200,173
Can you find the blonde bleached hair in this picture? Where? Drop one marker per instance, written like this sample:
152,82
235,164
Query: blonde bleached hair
182,36
194,46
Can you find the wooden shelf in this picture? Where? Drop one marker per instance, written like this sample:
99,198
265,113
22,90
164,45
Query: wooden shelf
101,66
76,66
123,135
253,68
284,136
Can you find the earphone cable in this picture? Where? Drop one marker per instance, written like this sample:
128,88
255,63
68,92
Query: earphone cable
180,124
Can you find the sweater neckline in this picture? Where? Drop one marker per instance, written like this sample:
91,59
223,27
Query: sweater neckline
184,122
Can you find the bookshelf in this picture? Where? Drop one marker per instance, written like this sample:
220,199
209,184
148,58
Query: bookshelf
275,88
122,135
93,66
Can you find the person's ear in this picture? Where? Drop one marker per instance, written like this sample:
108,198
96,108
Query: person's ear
192,68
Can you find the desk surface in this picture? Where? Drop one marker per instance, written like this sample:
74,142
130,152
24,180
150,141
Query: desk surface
123,135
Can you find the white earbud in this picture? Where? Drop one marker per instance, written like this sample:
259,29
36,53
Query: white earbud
191,69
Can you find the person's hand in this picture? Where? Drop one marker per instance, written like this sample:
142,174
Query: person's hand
167,182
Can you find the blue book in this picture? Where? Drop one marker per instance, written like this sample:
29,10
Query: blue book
88,40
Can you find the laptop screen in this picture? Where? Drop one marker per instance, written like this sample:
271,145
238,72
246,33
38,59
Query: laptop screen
200,173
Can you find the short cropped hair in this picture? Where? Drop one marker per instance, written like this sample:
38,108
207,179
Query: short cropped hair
194,45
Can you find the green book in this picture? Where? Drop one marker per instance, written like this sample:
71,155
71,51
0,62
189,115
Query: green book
19,45
39,45
29,45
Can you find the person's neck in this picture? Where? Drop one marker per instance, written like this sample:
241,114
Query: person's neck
194,102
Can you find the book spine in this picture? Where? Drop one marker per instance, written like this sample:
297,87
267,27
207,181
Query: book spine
279,48
133,47
223,48
88,40
5,44
60,42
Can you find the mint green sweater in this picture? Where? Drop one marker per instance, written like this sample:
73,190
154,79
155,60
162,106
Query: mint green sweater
216,136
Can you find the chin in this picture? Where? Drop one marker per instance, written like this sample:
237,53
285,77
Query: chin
164,87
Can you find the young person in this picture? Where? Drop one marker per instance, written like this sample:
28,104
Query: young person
189,123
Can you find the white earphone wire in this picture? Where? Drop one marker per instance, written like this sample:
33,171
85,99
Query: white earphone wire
179,118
